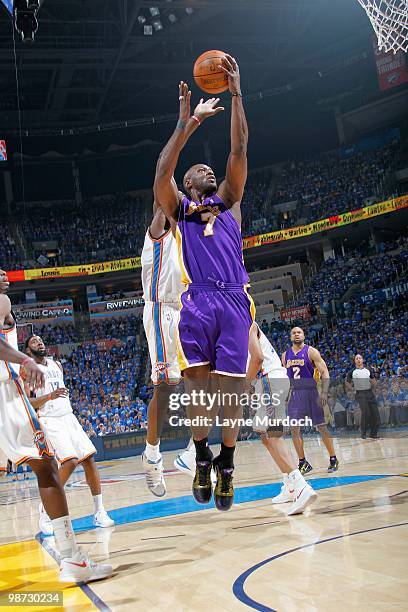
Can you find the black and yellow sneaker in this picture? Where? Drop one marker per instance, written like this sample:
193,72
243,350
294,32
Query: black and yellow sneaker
224,490
305,467
202,487
334,465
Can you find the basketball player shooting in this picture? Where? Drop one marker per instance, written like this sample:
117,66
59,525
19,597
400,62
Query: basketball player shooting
302,361
216,312
62,429
23,440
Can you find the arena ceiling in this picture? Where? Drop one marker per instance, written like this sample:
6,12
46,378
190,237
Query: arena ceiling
94,62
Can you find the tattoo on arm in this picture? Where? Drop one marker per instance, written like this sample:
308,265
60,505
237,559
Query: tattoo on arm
181,124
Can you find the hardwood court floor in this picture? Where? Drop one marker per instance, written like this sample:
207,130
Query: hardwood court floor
349,552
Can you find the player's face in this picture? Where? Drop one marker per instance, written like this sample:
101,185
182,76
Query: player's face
297,336
37,346
358,360
203,179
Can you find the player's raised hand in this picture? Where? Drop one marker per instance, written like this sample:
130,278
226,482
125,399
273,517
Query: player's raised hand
33,375
4,283
203,110
231,69
184,100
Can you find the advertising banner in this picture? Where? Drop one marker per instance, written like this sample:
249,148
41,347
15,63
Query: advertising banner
336,221
113,307
382,295
392,68
297,312
44,314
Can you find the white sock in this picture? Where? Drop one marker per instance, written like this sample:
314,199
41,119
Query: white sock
64,536
98,503
297,479
153,451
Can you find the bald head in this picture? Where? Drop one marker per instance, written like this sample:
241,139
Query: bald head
200,179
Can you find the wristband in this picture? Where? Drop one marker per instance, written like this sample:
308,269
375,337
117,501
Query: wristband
236,94
26,360
196,119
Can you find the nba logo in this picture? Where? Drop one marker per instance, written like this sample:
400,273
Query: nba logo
3,150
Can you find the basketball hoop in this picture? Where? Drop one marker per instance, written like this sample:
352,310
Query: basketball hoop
389,19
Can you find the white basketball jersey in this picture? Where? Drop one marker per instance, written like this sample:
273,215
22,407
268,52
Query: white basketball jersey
161,274
54,379
8,371
271,360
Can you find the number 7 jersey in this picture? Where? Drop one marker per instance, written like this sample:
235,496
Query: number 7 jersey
209,244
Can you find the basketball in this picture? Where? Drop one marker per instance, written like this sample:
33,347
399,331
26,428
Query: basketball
207,73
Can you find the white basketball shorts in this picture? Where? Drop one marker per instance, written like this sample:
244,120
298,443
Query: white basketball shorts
21,435
67,437
160,320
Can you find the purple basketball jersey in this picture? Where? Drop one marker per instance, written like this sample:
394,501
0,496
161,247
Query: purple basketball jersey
298,365
210,244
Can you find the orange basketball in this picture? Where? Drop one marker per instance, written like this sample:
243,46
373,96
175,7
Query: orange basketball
207,73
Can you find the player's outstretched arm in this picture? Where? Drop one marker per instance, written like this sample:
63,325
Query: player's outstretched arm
165,187
232,188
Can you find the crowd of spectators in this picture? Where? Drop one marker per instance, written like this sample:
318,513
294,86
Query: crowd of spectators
57,334
329,184
369,271
116,327
9,257
111,227
104,388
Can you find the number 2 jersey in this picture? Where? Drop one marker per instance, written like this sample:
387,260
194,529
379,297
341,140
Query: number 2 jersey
300,369
209,244
54,379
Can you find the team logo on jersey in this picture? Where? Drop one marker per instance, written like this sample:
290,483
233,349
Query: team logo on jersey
161,366
39,438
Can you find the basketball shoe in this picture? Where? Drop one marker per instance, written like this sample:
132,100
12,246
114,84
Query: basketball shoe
80,568
305,467
153,471
185,462
303,494
102,519
224,490
286,492
202,486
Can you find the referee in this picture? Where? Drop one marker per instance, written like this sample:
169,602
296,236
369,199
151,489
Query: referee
363,379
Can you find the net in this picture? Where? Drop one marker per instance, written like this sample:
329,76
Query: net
389,19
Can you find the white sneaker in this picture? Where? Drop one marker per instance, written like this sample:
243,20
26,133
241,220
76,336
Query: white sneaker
186,463
303,496
154,475
102,519
286,493
44,522
80,568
